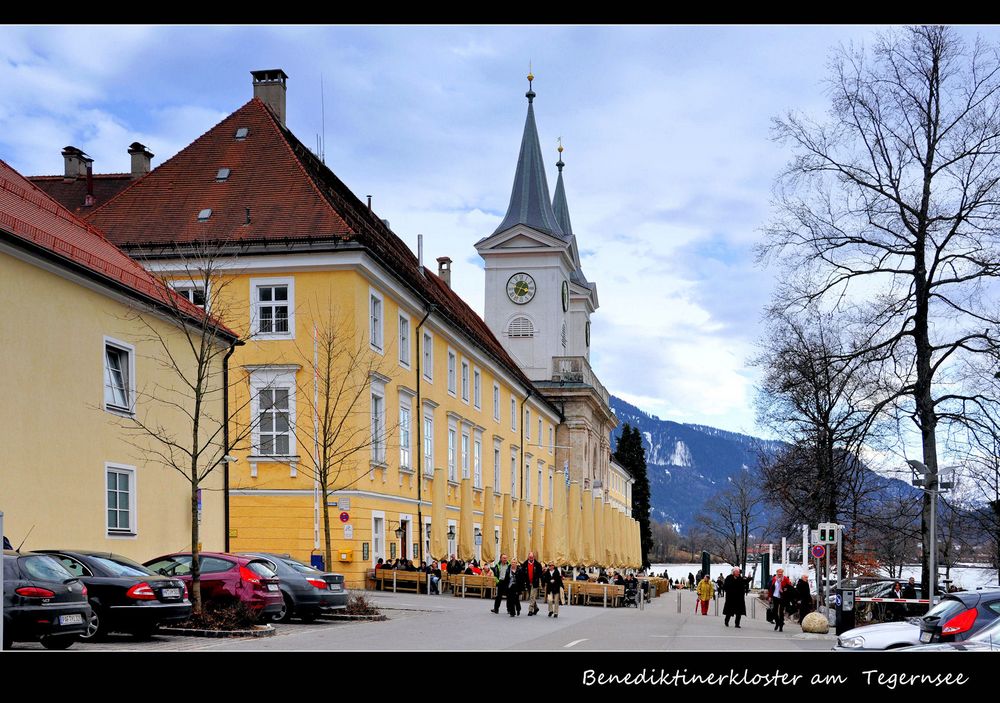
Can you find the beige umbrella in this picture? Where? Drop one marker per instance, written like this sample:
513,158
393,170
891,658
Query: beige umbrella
613,530
609,534
522,531
636,545
489,526
559,531
537,531
573,523
506,527
439,520
599,536
466,544
622,541
548,546
589,542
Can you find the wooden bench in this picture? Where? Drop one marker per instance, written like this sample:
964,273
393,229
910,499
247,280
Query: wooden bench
463,584
591,593
396,580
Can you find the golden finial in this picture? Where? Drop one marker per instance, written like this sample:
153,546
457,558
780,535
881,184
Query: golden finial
560,145
531,76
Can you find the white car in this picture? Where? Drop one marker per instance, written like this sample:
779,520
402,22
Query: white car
887,635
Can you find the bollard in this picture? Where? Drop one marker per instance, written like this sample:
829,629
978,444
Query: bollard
678,601
428,584
753,608
393,581
569,593
642,600
717,606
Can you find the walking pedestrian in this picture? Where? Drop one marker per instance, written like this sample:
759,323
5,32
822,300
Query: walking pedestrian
533,578
910,591
803,596
500,573
515,584
735,588
553,587
779,595
706,592
718,584
690,580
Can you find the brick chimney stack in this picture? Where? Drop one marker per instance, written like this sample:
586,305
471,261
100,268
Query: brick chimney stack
269,86
141,157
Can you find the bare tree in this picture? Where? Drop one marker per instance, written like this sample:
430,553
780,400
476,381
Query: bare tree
886,217
187,424
732,516
665,541
347,432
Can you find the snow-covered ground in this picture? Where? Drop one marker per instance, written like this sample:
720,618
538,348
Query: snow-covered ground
966,577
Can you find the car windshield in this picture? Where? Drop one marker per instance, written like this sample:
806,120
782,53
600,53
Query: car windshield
261,569
120,566
44,569
179,565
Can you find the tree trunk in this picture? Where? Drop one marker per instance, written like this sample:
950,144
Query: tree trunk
195,551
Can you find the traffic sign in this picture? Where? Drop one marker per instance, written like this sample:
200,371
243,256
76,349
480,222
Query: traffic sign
345,516
818,551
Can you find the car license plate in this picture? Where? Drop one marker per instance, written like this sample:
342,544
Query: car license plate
272,587
75,619
171,593
334,586
925,637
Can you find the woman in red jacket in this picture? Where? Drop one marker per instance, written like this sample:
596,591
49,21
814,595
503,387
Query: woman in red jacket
779,594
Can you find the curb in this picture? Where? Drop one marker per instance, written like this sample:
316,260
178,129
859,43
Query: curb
266,631
335,617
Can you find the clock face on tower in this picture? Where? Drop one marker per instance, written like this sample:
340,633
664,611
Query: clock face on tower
521,288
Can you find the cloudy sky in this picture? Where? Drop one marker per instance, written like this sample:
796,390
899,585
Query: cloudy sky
669,164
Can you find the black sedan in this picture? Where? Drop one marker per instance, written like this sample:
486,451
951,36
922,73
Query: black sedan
125,596
42,601
960,615
307,592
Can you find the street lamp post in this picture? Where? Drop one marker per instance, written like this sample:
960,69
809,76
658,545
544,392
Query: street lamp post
929,483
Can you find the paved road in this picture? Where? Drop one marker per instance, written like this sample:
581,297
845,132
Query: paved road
456,624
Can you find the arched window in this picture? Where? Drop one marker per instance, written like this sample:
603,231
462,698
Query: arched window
520,327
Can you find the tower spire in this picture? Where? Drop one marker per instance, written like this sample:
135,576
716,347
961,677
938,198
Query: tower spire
529,198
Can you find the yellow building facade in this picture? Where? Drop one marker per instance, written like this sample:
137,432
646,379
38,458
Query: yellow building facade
73,470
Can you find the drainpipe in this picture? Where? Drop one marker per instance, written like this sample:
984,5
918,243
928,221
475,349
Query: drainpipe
419,414
225,436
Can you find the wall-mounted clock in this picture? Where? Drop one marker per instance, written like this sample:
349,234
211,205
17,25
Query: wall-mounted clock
521,288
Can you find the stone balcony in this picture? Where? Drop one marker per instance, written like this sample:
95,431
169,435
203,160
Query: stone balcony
576,369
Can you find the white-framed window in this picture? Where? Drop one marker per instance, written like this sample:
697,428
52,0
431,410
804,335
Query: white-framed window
513,472
452,439
119,376
452,549
527,477
477,389
378,426
451,371
477,462
527,423
539,431
272,405
465,455
477,548
375,318
272,308
496,401
465,380
539,497
404,340
513,414
378,536
193,292
496,541
120,499
496,465
404,431
428,441
428,360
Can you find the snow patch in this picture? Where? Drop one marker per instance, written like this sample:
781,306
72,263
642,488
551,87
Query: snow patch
681,455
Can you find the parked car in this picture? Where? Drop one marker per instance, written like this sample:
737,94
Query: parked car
42,601
986,640
124,596
307,592
956,617
227,578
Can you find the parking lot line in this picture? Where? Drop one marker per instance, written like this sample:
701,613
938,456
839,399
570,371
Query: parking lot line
575,642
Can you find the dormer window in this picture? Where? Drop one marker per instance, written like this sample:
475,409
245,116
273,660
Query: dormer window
242,133
204,214
222,176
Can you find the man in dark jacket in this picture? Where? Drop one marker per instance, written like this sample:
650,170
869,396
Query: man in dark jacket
553,583
533,580
779,595
500,573
515,584
910,591
803,597
735,588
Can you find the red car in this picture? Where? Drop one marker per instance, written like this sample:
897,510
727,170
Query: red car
227,577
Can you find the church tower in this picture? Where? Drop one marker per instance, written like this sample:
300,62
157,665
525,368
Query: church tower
539,303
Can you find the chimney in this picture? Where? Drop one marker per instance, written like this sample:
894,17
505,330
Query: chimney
269,86
444,269
141,156
75,163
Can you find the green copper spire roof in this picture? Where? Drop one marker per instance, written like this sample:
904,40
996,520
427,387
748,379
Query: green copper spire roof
529,198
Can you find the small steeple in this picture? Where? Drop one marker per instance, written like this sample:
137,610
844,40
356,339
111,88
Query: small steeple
529,198
561,209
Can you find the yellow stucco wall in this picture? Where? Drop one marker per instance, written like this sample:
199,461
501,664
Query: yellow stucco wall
56,437
274,510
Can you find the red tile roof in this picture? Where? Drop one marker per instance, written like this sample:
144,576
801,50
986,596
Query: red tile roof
31,216
292,196
72,193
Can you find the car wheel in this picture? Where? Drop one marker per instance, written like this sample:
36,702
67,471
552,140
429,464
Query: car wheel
308,617
58,641
8,639
95,627
285,614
